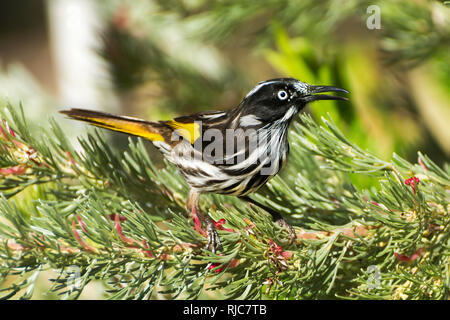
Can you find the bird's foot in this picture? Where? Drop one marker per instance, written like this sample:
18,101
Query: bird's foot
213,237
282,223
210,233
276,217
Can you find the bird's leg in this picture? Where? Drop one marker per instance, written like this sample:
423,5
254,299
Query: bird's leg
276,216
199,218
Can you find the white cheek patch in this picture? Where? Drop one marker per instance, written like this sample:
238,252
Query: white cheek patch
289,114
249,120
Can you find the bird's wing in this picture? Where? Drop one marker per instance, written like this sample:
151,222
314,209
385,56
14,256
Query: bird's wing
191,127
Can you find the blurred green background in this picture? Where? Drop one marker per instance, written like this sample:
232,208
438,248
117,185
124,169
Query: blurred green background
162,58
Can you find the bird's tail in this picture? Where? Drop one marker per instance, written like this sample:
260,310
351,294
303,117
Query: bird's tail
146,129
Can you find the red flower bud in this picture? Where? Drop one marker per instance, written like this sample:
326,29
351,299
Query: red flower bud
81,223
405,258
112,216
80,241
413,181
219,225
122,237
214,265
4,134
286,254
70,158
147,252
16,171
275,248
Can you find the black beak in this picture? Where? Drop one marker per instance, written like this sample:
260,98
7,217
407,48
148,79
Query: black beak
318,89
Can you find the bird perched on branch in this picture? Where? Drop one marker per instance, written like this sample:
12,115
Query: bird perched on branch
231,152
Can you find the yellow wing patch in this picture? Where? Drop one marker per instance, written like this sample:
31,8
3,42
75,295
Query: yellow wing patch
190,131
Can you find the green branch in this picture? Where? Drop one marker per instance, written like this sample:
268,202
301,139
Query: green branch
96,215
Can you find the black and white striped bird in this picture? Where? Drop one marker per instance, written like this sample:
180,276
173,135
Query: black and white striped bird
231,152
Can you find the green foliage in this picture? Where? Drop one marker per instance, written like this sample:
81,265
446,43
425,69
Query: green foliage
94,214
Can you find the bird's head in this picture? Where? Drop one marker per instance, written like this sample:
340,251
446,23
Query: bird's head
281,99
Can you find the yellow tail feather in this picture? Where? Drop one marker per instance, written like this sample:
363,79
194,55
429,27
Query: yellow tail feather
134,126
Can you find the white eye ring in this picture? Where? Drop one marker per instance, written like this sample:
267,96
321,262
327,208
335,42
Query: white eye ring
282,95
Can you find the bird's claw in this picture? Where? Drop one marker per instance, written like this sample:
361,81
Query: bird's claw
213,237
292,235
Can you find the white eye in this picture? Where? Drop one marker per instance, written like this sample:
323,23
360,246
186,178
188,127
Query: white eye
282,95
